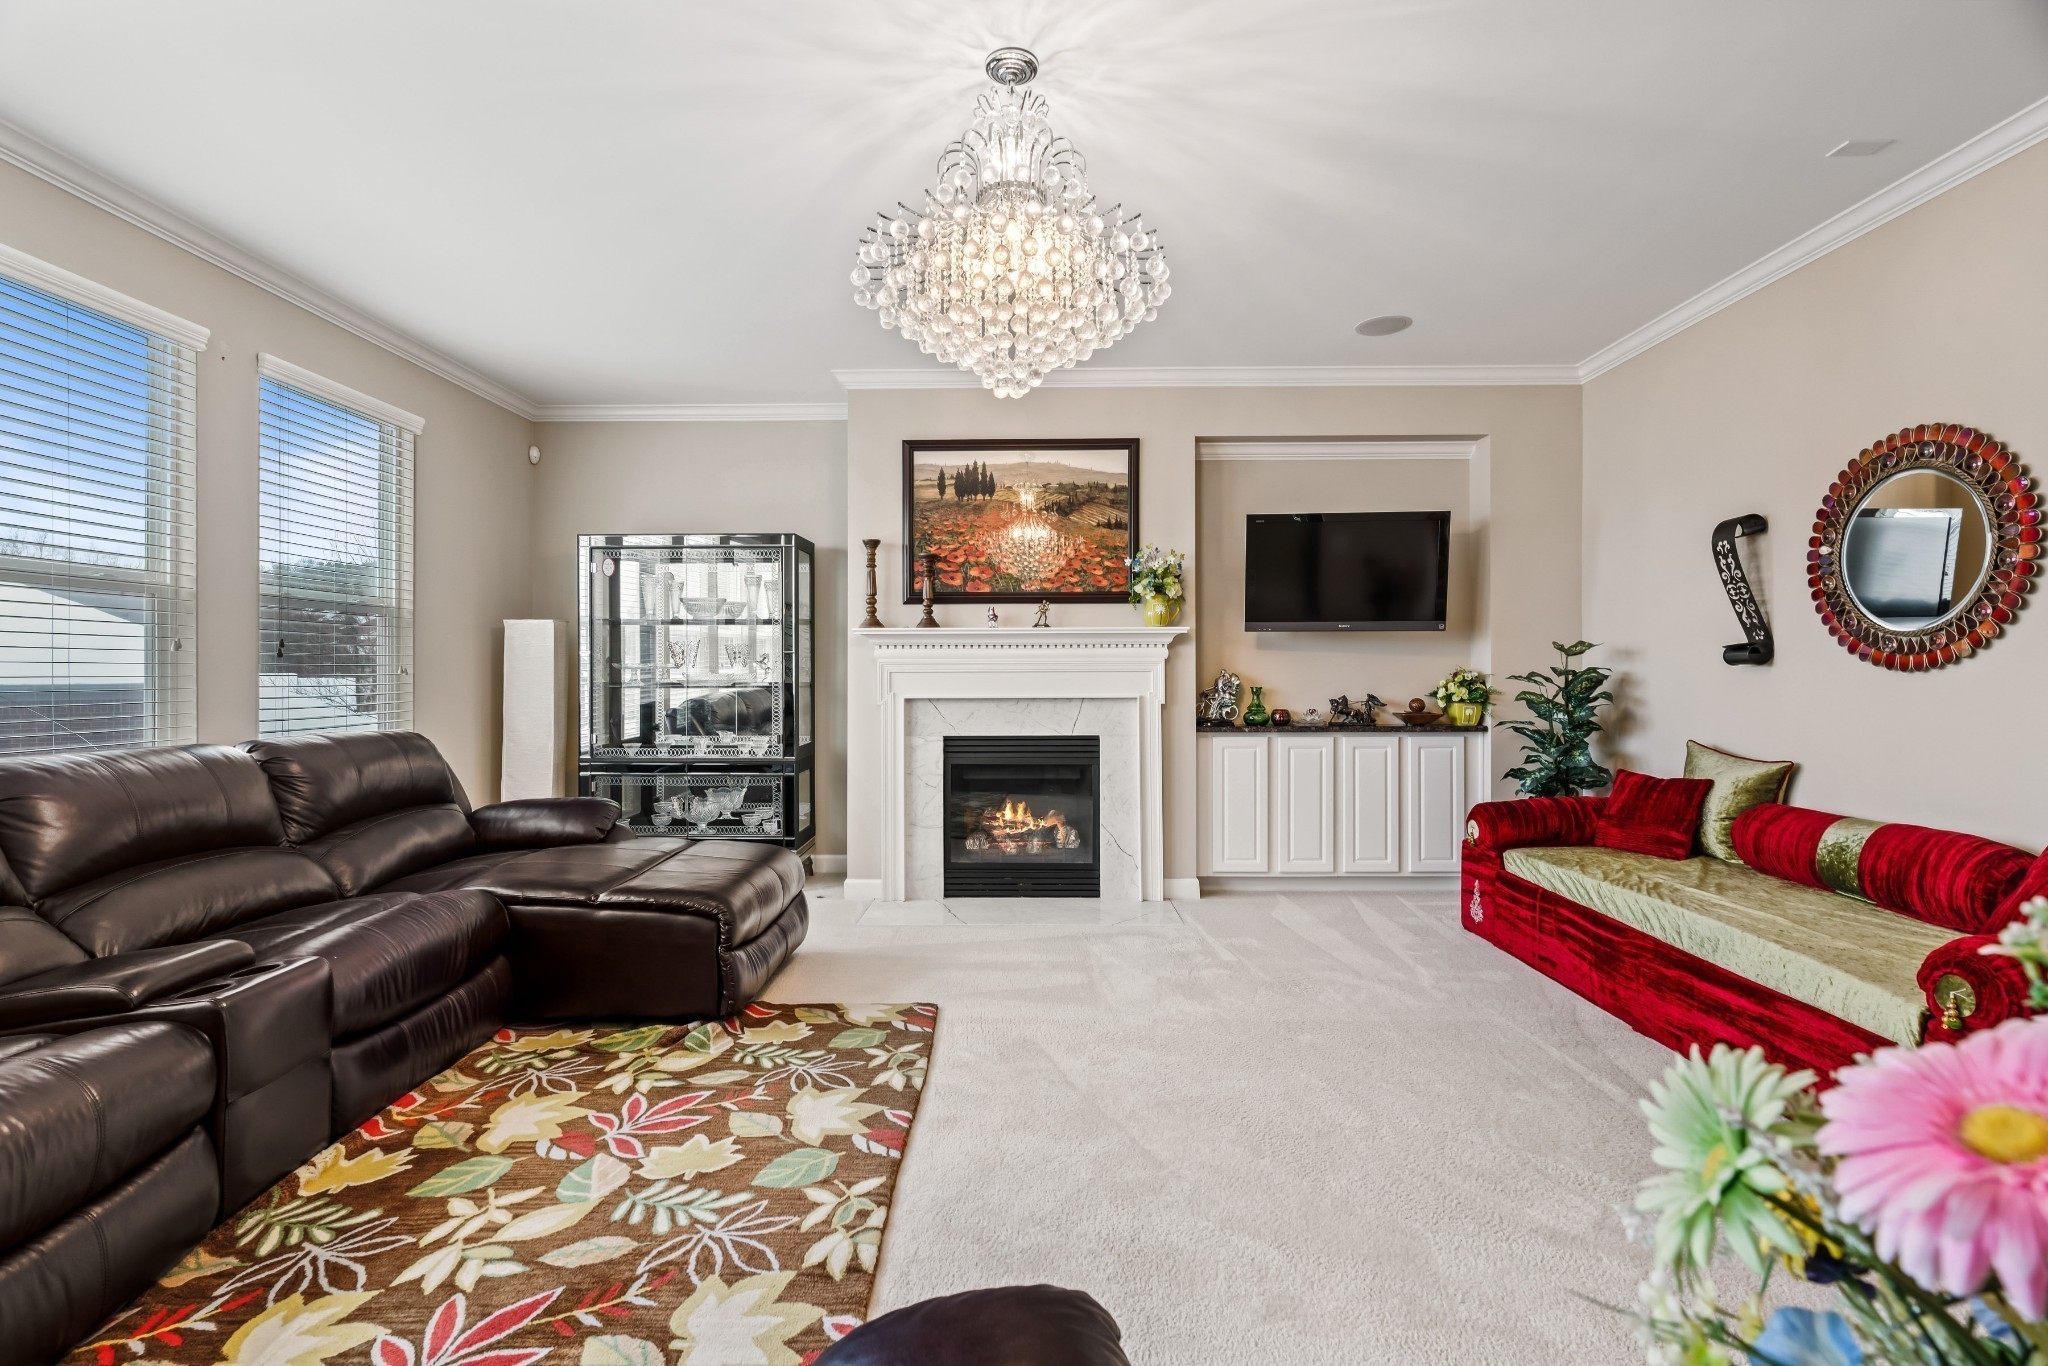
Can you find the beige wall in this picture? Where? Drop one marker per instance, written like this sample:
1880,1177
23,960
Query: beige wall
1301,669
1528,557
643,477
1936,316
473,486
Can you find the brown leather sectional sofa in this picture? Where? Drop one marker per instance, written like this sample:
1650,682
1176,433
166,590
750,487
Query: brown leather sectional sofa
215,959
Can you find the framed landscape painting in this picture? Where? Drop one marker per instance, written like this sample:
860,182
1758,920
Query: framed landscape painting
1017,521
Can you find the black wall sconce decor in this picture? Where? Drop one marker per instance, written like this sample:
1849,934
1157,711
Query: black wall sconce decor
1758,647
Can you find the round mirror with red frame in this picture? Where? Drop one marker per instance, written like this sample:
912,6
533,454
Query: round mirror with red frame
1925,547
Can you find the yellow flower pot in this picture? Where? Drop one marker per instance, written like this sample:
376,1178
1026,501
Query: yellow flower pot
1161,611
1464,713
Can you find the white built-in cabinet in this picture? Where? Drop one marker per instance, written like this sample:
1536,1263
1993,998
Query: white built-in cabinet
1236,819
1332,803
1369,803
1304,817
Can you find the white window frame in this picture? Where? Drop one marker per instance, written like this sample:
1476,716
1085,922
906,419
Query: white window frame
167,580
395,530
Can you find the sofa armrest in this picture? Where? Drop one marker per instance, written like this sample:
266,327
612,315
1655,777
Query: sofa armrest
1492,827
1968,989
1017,1325
544,822
107,986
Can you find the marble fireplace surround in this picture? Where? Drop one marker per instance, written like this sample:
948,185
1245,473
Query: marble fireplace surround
1108,682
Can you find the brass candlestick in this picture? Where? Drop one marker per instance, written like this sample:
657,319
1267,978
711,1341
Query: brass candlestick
931,573
871,619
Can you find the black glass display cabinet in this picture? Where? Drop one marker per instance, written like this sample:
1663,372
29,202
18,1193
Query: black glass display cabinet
698,698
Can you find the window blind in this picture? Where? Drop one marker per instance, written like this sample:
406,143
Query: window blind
96,556
335,552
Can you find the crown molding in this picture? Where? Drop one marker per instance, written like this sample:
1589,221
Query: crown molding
88,294
299,377
1945,172
690,412
1223,376
1447,448
39,159
22,149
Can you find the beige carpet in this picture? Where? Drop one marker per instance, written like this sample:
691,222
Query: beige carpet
1318,1128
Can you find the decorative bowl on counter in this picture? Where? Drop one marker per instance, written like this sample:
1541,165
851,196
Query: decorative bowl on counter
1418,714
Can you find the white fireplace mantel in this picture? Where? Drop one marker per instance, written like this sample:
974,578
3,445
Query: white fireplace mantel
1029,663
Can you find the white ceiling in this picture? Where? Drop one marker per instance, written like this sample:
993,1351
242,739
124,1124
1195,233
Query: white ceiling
656,201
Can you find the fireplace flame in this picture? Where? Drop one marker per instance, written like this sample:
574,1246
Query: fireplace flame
1014,828
1016,818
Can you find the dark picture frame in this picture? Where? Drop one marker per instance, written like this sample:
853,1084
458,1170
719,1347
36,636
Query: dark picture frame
1070,502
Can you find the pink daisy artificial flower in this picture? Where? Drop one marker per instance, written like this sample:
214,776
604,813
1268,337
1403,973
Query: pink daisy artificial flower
1944,1159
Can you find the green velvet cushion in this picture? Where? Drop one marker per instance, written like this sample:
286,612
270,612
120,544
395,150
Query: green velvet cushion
1739,784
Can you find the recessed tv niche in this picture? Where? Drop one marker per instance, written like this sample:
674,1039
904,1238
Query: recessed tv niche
1346,571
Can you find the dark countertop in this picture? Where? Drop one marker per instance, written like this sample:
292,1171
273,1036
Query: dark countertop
1381,728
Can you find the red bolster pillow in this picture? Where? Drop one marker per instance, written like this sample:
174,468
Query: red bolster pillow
2000,984
1939,876
2032,883
1782,841
1532,821
1961,882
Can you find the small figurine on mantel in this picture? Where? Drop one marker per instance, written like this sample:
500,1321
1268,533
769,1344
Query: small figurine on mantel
1044,608
992,622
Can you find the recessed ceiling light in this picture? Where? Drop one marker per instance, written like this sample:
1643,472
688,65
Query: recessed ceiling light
1866,147
1386,325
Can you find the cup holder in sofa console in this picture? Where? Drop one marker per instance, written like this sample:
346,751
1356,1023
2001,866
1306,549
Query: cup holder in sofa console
268,1024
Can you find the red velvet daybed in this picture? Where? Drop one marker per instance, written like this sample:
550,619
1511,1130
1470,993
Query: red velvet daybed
1924,903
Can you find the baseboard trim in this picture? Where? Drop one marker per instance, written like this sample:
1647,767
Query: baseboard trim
828,865
1283,884
1181,888
862,889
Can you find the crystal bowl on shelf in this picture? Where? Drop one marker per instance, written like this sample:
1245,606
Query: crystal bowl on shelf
701,811
703,609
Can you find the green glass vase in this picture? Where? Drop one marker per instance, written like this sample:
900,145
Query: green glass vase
1256,714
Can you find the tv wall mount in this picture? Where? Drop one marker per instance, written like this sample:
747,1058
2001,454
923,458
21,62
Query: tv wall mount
1758,647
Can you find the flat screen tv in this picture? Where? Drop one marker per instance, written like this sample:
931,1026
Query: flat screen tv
1346,571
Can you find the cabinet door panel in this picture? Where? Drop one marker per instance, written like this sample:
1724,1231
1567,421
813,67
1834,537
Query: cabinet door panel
1369,804
1303,818
1433,802
1238,811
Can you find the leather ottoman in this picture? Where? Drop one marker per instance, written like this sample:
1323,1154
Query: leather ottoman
659,927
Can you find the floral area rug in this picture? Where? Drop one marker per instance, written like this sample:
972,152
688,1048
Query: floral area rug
613,1196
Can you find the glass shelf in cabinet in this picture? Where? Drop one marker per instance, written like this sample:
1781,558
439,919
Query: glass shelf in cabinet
689,621
700,684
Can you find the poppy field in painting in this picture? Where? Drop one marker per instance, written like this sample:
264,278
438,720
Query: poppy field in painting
1020,522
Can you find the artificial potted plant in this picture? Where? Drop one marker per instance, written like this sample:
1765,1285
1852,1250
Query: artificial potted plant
1156,584
1463,696
1557,754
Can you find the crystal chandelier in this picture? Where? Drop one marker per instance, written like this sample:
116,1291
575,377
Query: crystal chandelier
1011,269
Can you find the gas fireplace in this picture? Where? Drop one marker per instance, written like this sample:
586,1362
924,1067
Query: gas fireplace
1021,815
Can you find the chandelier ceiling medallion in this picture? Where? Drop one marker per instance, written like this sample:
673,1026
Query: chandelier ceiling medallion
1011,269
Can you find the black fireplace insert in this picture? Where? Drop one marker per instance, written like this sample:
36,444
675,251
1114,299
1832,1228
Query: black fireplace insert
1021,815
